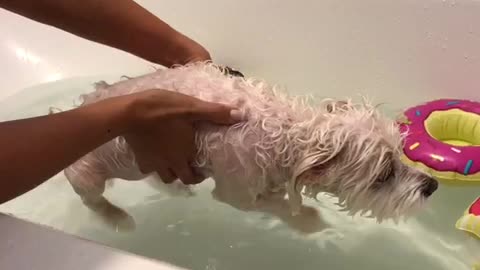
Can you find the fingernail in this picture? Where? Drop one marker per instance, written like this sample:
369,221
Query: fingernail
236,115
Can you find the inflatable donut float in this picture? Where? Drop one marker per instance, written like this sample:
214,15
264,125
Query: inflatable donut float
443,139
470,221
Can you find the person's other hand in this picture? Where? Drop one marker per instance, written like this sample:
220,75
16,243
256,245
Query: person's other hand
163,138
190,51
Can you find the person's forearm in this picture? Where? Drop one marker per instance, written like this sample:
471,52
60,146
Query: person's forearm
122,24
33,150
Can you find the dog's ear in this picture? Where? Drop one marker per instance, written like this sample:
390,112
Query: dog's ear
312,164
333,145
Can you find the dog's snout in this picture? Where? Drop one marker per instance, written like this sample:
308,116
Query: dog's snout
430,187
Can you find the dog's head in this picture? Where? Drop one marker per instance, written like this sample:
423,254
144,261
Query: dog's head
353,152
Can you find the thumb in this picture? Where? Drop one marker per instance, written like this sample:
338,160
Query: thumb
216,113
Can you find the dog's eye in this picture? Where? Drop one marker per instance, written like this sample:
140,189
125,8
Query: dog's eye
318,168
385,176
387,170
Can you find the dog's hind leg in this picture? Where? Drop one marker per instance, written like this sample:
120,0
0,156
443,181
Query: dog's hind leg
89,183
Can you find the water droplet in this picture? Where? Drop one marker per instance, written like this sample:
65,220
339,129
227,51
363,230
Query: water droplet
242,244
185,233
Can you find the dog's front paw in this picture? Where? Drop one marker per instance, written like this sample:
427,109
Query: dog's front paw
111,215
307,221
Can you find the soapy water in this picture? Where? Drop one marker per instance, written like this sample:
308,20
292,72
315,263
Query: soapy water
200,233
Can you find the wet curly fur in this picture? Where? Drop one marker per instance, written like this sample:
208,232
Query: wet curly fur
288,149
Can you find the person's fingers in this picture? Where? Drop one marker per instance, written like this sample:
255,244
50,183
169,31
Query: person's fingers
186,175
216,113
200,56
144,165
166,175
198,178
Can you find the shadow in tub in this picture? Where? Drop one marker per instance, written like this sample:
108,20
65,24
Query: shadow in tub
197,233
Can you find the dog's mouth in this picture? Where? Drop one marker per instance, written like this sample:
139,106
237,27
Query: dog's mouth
389,200
391,203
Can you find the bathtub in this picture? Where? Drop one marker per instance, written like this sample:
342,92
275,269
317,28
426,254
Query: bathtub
397,52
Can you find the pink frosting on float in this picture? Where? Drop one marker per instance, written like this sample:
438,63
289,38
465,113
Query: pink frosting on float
475,208
466,161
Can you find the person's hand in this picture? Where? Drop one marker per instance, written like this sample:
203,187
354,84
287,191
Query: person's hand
189,51
163,137
124,25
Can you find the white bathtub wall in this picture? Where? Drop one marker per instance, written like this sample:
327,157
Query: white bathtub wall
32,53
62,252
396,51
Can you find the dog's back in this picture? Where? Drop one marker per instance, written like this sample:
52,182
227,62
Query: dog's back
115,159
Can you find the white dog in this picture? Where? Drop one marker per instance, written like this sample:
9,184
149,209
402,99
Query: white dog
287,149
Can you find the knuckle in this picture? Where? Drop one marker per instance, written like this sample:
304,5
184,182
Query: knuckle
167,178
186,177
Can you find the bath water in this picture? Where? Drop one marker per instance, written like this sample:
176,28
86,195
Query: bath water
200,233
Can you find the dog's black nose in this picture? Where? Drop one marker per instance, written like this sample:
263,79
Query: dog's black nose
430,186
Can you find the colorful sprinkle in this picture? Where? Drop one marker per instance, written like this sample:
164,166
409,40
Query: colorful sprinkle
468,167
418,113
456,150
450,103
437,157
413,146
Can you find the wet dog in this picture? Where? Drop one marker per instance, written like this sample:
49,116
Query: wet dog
288,149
